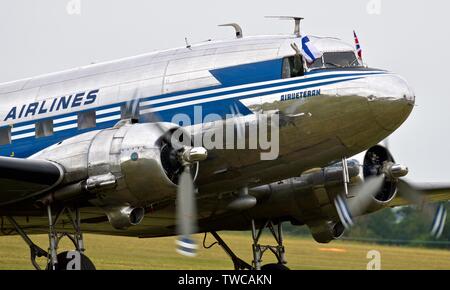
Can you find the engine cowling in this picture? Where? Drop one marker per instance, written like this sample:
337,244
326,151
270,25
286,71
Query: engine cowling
125,167
374,160
377,161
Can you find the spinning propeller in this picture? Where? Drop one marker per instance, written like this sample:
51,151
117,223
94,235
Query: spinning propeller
183,157
364,194
382,173
438,212
186,157
186,203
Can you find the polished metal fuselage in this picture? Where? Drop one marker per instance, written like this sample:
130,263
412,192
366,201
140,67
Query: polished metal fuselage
346,118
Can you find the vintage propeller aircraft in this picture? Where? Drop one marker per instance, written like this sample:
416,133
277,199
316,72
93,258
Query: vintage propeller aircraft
113,148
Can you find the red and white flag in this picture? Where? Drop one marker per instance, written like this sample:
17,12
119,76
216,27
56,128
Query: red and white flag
358,46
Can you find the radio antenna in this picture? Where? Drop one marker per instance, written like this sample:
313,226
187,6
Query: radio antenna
236,27
187,43
295,18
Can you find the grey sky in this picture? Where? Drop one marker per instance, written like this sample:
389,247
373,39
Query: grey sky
407,37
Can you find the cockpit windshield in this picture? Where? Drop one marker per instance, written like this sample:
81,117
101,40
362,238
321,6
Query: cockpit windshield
336,60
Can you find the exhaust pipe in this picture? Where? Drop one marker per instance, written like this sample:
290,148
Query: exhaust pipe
121,218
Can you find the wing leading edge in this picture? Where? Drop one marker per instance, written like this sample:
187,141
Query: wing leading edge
21,179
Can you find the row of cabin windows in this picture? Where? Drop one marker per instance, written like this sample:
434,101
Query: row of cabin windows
85,120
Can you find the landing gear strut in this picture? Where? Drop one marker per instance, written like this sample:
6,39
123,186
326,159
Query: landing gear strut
238,263
35,251
257,249
75,260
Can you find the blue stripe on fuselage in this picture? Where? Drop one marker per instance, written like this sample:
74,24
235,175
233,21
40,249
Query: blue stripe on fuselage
249,73
256,87
22,148
222,107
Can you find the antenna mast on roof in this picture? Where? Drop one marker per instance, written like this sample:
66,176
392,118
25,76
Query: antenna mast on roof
236,27
295,18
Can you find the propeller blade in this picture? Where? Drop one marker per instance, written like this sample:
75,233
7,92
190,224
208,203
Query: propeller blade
186,246
413,195
439,221
345,216
418,198
357,205
186,214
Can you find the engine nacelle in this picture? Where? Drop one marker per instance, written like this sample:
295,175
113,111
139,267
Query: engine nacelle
311,196
308,199
128,166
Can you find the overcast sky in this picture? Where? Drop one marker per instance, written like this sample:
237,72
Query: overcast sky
407,37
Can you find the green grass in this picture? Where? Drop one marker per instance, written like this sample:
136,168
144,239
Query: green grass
131,253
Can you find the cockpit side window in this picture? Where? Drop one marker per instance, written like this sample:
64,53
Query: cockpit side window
318,63
292,67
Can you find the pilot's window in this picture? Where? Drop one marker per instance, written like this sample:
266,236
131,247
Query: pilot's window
130,110
336,60
44,128
5,135
292,67
86,120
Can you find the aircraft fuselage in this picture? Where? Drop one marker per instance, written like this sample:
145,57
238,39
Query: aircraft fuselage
325,113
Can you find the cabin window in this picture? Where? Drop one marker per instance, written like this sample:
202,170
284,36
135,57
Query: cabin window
86,120
292,67
130,110
5,135
44,128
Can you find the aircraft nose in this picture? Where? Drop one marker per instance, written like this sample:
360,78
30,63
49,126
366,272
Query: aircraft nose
391,87
391,100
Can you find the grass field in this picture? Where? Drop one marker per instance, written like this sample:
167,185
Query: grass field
132,253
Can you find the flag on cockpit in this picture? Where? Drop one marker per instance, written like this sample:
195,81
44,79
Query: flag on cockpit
358,46
309,51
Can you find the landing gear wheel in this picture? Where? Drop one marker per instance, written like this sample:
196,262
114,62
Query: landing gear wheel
85,263
274,267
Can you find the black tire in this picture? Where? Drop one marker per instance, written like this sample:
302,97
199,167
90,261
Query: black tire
274,267
86,263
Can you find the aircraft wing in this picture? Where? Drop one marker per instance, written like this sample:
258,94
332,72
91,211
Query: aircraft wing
24,178
422,192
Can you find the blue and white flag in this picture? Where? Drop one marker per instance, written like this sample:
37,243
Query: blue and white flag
309,51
